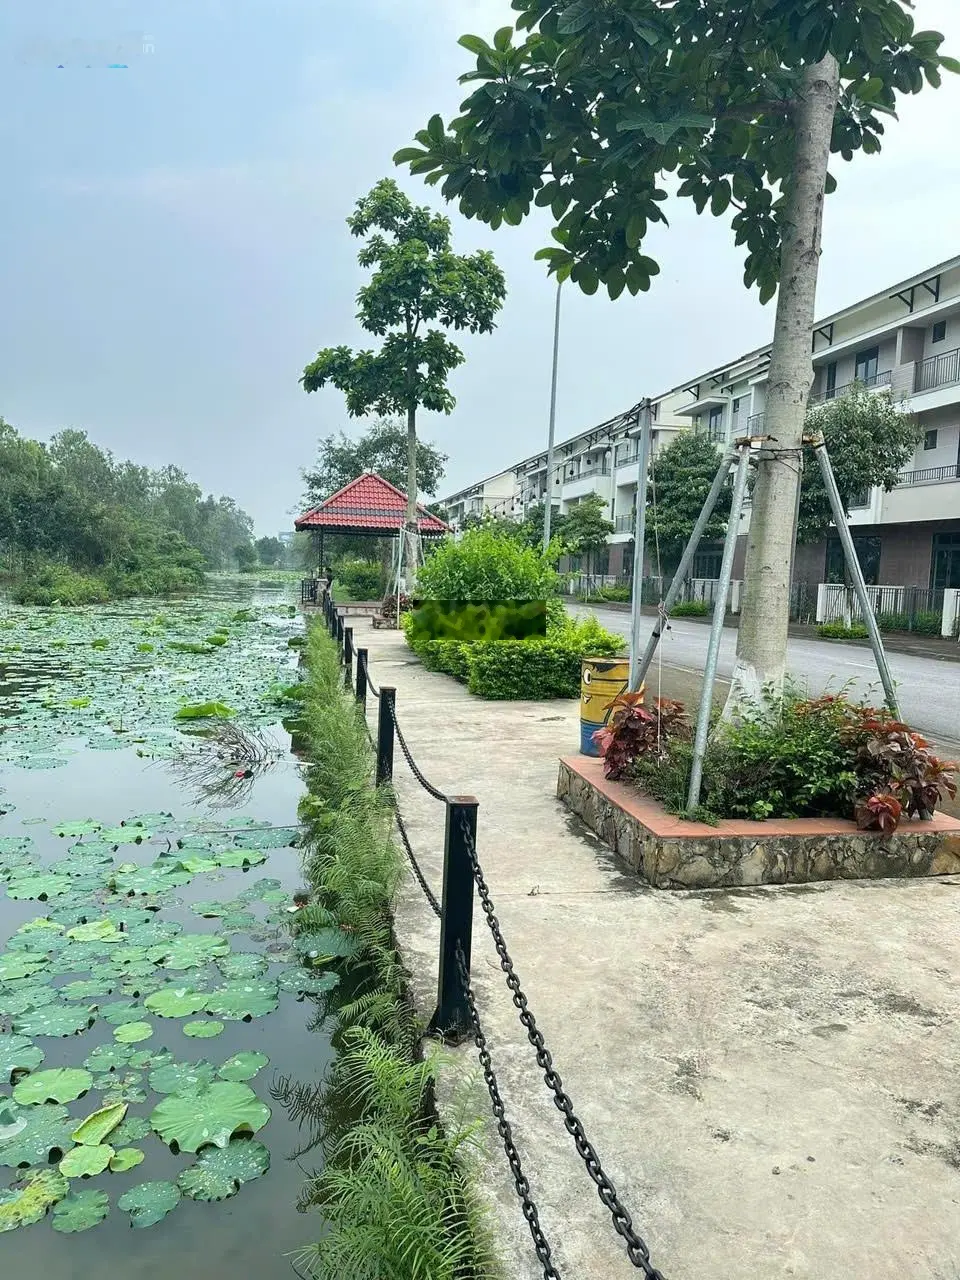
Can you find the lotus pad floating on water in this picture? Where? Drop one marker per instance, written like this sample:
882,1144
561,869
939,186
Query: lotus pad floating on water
80,1211
181,1077
47,1135
243,1000
219,1174
30,1198
176,1002
209,1116
125,1159
18,1053
149,1203
91,1131
133,1032
55,1020
61,1084
205,1030
243,1066
86,1162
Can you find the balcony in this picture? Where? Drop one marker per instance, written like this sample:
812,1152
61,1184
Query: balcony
626,453
872,382
938,371
755,424
625,524
930,475
596,469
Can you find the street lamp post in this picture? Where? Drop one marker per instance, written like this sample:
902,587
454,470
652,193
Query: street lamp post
548,505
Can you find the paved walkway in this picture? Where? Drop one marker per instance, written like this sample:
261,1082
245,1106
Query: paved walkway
771,1077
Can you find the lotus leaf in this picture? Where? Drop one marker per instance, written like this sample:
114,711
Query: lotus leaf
133,1032
99,1124
31,1198
190,951
80,1211
123,1090
219,1174
55,1020
46,1137
240,858
268,838
73,829
18,1053
132,1130
60,1084
86,989
176,1002
24,998
149,1203
209,1116
196,865
260,889
126,1158
41,762
96,931
152,932
205,1030
243,1000
303,982
40,925
210,910
108,1057
205,710
119,1012
242,1066
13,967
243,964
86,1162
323,945
38,885
181,1077
154,821
133,834
132,880
10,845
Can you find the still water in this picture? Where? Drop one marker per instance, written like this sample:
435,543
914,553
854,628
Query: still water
254,1232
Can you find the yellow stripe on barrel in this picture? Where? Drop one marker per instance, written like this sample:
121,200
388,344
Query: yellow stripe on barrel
602,680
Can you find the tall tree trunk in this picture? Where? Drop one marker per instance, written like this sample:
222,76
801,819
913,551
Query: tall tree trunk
411,540
762,638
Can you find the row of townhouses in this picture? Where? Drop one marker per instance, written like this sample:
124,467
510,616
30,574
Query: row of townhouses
905,339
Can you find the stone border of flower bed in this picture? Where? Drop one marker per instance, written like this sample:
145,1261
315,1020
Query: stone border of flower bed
672,853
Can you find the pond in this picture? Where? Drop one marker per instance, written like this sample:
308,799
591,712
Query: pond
147,866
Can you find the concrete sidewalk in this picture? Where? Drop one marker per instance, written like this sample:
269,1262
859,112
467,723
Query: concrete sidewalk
769,1076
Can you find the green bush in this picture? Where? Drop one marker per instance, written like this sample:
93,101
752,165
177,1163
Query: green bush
485,565
925,622
837,631
363,579
691,609
606,595
56,584
478,621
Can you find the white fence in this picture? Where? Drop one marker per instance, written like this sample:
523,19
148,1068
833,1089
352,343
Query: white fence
902,608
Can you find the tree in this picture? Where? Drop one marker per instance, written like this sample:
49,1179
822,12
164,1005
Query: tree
419,288
869,440
245,557
270,551
586,528
744,102
382,448
683,472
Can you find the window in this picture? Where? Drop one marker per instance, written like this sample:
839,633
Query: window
868,553
945,569
715,425
867,366
939,331
929,439
830,382
706,563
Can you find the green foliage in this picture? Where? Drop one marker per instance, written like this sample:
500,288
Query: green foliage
925,622
477,621
596,106
683,473
79,527
869,439
363,579
691,609
270,551
586,528
205,711
606,595
839,631
383,449
484,565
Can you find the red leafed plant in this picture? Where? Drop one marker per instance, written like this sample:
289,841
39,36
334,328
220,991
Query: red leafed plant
636,731
881,812
389,609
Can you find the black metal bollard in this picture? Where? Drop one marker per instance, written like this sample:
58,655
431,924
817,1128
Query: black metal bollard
338,633
360,688
347,657
388,701
452,1019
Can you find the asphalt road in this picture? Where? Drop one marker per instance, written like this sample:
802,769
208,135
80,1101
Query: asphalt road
928,689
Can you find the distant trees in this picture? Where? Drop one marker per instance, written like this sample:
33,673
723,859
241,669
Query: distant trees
270,552
381,448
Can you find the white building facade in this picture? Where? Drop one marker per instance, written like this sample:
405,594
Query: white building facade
905,339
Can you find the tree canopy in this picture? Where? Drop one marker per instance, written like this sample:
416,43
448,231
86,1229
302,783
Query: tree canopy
586,528
683,472
589,110
381,448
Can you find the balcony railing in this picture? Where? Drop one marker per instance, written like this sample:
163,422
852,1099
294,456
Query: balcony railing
600,469
755,424
874,380
626,454
938,371
930,475
625,524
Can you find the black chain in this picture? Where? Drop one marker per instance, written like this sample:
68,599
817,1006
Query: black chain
540,1242
428,892
370,685
637,1251
427,786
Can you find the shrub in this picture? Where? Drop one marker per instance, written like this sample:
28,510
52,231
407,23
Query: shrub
691,609
362,578
389,607
485,565
636,732
925,622
605,595
56,584
838,631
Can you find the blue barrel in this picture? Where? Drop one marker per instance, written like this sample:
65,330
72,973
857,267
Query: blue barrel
601,681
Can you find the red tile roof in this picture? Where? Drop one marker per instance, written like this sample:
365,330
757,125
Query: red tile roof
368,504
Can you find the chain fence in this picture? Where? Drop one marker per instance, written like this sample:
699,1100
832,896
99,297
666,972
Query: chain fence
636,1248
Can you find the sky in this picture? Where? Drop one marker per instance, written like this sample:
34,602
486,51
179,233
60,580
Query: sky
173,247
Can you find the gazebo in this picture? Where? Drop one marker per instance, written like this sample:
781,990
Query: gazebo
368,506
